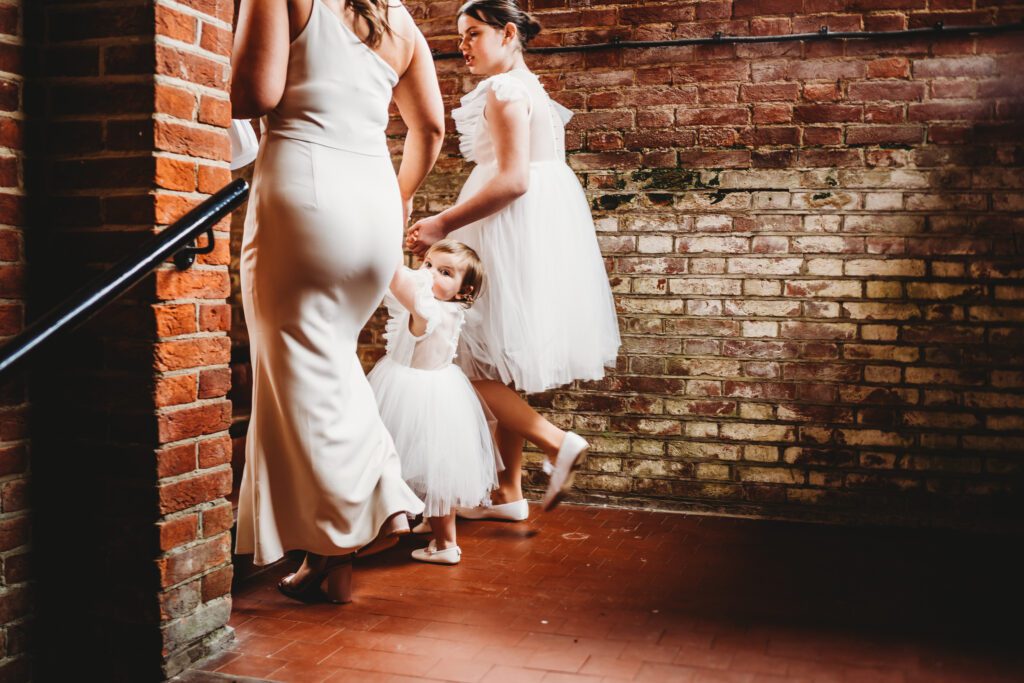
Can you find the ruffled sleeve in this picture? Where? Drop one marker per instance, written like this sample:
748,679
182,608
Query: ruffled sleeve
563,113
427,307
467,117
397,319
508,88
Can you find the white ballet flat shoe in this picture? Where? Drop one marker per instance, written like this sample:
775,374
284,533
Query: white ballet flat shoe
451,555
423,527
571,455
516,511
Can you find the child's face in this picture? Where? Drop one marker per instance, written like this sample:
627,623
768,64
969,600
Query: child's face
484,47
448,271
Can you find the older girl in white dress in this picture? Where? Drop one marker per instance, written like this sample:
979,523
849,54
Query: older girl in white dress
428,405
549,317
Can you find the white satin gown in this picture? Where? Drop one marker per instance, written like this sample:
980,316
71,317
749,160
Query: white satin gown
322,238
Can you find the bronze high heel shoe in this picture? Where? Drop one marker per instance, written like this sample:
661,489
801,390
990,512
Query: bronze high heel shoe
339,583
337,571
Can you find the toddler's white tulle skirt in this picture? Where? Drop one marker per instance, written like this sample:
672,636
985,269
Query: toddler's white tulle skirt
441,433
546,315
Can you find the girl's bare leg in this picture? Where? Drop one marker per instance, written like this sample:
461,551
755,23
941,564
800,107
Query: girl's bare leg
510,479
517,421
443,529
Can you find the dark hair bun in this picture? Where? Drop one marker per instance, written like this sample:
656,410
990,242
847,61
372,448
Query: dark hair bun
529,28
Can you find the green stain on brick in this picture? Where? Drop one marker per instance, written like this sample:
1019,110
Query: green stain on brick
676,179
821,195
668,178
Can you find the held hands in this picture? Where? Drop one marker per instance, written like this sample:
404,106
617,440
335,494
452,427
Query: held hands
423,234
406,210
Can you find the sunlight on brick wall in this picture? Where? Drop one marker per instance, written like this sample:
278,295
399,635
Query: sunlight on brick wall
816,253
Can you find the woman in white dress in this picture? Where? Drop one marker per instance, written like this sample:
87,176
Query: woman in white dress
549,317
323,237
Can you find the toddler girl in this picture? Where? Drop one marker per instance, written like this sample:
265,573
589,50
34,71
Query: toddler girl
427,403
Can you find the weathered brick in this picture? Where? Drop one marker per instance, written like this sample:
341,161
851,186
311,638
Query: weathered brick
217,583
175,390
178,531
191,353
186,563
217,520
195,421
206,284
192,141
214,452
888,268
194,490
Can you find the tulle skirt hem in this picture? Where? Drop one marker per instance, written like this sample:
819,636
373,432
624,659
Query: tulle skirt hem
440,432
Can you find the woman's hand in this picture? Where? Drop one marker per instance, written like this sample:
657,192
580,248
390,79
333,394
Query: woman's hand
423,233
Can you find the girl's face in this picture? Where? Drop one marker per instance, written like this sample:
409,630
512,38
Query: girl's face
448,271
486,49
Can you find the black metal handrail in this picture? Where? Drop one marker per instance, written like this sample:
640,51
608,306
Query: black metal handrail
174,241
719,38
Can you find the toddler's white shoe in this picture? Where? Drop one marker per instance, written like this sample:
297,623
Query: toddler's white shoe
516,511
423,527
451,555
570,456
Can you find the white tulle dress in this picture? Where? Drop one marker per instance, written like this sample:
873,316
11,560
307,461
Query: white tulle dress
546,316
432,411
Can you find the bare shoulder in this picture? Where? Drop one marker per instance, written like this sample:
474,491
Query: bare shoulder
401,44
401,20
403,26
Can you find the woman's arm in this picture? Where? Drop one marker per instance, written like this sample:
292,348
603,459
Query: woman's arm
509,123
418,98
403,289
259,57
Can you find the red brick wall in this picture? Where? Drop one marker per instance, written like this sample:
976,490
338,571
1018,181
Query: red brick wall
129,431
14,536
816,250
191,111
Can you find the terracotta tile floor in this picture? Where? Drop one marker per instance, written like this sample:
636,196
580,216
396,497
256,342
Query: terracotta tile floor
596,594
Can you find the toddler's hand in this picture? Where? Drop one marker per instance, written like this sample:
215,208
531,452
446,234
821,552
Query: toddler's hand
423,234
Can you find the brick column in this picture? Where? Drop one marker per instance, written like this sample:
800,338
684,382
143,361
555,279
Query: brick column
193,46
129,431
14,528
